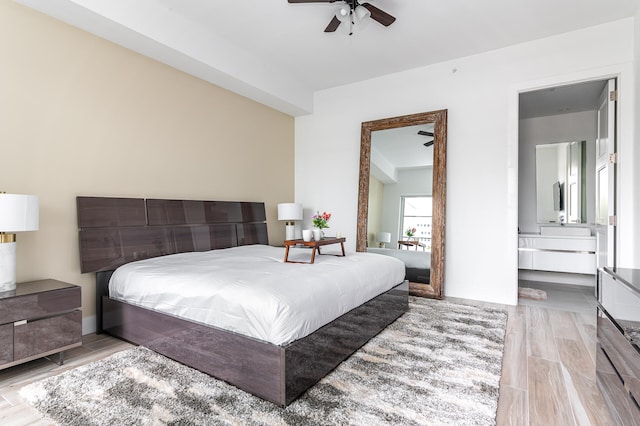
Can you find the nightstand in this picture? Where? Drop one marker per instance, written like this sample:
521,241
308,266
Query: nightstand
37,319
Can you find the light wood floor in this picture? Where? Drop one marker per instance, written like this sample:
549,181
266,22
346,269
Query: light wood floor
14,412
548,370
548,373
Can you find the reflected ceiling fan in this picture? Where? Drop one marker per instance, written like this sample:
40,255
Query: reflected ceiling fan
352,12
428,134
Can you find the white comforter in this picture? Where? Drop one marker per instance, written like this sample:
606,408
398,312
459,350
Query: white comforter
251,291
411,258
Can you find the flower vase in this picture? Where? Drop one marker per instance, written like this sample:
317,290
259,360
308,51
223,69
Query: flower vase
317,234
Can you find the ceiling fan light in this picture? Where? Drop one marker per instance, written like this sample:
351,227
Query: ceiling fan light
362,13
343,13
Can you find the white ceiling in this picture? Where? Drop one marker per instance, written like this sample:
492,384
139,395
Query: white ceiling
561,100
277,53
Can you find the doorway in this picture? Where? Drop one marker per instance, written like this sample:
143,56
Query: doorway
559,118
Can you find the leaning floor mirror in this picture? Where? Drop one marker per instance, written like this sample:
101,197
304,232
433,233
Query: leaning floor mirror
402,195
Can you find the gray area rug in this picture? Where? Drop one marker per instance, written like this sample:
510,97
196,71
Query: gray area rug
439,363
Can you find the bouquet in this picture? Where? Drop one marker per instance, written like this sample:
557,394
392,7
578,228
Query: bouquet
410,232
320,220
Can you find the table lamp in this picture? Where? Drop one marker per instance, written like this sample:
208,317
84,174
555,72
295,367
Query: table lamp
384,237
290,212
18,213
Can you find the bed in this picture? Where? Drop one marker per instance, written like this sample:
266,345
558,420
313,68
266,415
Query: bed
135,231
417,263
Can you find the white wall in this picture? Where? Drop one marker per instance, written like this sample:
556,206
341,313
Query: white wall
480,93
636,98
576,126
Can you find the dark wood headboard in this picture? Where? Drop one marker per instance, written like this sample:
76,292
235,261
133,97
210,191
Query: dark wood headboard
115,231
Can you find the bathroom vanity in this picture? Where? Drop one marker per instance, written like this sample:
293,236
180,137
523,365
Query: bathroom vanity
573,251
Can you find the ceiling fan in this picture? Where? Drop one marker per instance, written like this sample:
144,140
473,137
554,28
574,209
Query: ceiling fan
428,134
352,11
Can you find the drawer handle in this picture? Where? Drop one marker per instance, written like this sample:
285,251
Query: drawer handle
21,322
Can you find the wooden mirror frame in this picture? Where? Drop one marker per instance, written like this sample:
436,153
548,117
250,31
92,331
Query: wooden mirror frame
439,119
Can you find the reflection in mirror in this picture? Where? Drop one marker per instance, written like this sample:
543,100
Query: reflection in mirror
561,189
400,184
400,203
415,216
401,200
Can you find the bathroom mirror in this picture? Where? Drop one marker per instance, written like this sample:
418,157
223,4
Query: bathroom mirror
561,182
419,186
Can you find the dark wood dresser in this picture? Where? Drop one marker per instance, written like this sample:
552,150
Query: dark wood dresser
38,319
618,348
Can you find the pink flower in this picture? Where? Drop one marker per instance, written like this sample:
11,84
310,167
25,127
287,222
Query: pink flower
320,220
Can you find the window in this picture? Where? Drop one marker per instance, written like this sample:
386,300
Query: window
416,213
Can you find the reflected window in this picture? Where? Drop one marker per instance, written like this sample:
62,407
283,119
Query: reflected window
416,214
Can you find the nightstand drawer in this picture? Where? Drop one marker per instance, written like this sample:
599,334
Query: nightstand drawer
6,343
41,336
37,305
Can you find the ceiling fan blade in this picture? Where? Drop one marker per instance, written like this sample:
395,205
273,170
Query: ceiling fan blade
423,133
312,1
379,15
333,25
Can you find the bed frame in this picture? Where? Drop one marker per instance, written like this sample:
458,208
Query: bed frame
115,231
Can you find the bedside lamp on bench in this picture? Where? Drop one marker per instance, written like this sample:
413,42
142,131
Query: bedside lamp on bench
290,212
18,213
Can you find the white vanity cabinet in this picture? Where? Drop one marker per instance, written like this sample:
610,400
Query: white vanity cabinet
574,254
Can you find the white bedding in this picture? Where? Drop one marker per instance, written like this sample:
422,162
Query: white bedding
251,291
412,258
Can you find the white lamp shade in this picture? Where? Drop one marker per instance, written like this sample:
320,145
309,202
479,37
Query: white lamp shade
343,13
19,213
384,237
289,211
362,13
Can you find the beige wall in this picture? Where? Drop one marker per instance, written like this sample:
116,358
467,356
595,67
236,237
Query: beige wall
82,116
376,190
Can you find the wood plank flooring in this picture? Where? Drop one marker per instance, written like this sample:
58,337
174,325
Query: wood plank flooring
548,373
